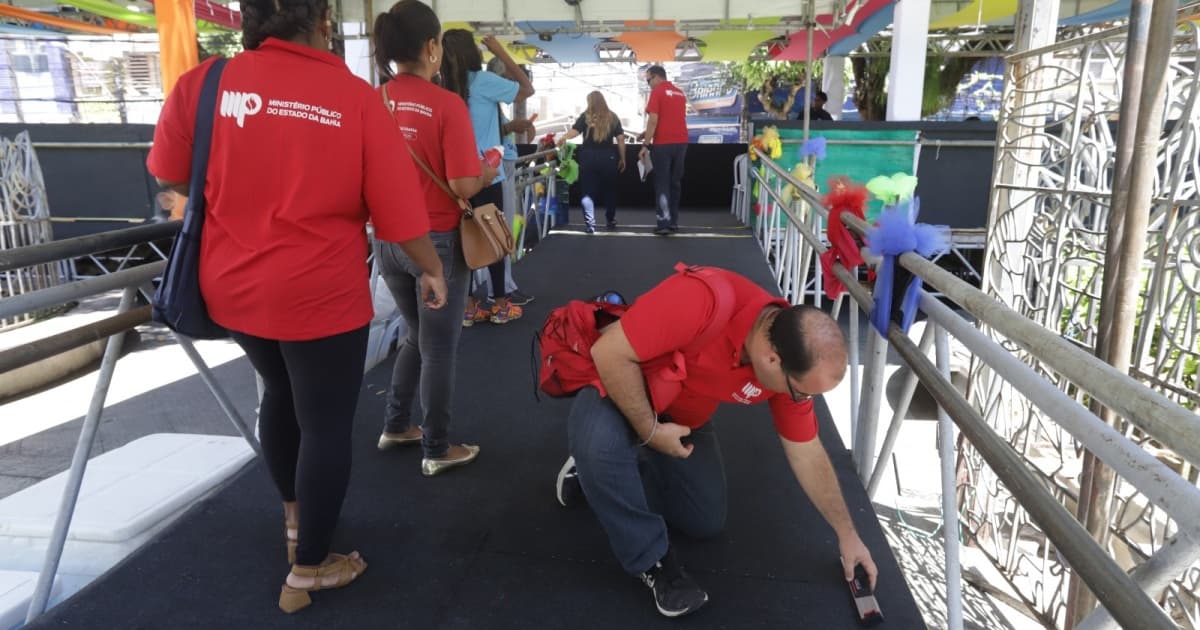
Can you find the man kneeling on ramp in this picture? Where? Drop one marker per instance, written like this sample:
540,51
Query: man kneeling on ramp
654,375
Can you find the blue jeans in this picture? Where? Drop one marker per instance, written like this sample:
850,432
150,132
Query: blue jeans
598,176
668,181
428,354
636,492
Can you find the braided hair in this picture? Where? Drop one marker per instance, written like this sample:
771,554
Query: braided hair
460,56
401,34
282,19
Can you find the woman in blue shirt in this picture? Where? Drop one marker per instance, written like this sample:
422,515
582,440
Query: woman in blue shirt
463,74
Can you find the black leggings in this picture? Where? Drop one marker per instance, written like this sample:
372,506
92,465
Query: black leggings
494,194
305,420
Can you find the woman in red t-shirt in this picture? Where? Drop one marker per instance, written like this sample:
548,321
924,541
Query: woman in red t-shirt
303,155
437,128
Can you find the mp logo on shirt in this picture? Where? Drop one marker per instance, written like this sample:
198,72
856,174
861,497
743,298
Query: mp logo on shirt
749,392
239,105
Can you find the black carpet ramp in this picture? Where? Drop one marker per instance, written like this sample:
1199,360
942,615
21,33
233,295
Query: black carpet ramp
487,546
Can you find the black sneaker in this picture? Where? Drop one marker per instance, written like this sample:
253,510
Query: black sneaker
567,488
674,228
590,229
612,225
675,592
662,230
520,298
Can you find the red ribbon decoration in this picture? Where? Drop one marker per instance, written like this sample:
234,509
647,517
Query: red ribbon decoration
844,196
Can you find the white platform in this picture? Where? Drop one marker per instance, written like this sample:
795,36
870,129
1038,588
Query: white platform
129,494
16,589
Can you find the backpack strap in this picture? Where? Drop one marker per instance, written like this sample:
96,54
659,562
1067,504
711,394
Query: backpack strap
723,297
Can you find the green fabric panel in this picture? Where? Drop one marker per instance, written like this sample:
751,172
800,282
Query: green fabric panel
858,162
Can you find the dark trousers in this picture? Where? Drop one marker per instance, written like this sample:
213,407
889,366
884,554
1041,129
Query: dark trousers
428,355
598,177
305,420
635,491
494,194
668,181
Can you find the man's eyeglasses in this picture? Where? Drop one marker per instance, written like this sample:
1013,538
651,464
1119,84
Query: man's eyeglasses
796,395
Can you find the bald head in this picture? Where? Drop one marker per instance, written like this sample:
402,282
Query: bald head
806,337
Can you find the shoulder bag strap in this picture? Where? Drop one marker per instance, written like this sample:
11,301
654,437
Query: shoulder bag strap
462,203
202,135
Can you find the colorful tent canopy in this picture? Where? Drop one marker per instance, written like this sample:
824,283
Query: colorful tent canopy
213,13
107,9
563,45
1114,11
733,45
978,12
658,45
63,23
865,31
176,40
823,40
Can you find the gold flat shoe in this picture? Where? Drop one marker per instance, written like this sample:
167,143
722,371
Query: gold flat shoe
431,466
386,442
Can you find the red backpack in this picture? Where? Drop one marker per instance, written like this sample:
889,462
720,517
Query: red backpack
565,343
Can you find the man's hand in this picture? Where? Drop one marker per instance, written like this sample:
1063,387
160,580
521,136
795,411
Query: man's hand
621,165
643,153
668,440
854,552
433,291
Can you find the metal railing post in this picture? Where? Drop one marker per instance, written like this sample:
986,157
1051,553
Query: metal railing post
954,612
872,394
79,461
898,415
218,392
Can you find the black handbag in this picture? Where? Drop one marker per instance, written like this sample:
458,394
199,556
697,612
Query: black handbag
178,303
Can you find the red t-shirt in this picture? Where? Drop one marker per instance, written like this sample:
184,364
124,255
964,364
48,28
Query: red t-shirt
437,126
303,155
674,314
670,104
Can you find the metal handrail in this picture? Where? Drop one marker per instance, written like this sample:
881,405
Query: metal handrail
131,282
83,245
1179,429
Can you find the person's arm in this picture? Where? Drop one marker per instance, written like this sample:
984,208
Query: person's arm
511,69
520,125
810,463
621,153
571,135
620,371
176,187
648,135
467,187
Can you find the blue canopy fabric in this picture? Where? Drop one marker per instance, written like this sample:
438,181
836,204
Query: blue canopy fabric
1108,13
564,46
868,29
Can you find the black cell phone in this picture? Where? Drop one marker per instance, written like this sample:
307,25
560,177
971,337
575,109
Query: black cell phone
864,598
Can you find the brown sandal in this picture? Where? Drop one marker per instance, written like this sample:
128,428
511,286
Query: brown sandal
343,568
291,532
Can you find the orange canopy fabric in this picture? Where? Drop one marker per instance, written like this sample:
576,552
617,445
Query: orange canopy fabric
176,39
651,45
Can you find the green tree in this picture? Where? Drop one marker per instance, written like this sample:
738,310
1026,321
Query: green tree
942,77
766,77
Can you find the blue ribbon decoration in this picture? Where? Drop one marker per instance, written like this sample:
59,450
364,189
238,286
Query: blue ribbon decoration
814,147
897,233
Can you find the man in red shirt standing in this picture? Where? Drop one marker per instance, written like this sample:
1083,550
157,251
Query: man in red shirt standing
666,140
761,350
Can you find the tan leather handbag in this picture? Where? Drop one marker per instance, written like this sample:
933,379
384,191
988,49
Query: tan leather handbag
486,237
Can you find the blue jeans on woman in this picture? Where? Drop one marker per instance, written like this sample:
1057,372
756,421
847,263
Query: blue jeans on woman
428,354
598,177
635,491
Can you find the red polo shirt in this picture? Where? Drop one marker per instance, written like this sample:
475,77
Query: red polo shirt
303,155
673,314
670,104
437,126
